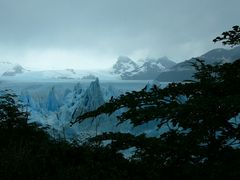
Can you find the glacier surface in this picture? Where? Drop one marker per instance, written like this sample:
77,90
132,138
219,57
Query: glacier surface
54,104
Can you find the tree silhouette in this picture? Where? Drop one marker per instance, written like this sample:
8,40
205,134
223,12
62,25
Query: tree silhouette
12,114
202,117
231,37
28,152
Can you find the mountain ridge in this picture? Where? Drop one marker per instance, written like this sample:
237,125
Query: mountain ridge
161,69
184,70
144,69
10,69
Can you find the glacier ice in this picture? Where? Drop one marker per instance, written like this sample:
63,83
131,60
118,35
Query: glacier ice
55,104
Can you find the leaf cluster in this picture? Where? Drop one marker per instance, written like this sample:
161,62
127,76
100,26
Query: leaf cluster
11,114
28,152
202,117
231,37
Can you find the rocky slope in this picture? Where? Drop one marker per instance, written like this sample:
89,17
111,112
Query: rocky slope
184,70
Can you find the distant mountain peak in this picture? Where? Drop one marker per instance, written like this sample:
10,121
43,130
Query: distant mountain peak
166,62
10,69
147,68
220,54
124,64
184,70
124,59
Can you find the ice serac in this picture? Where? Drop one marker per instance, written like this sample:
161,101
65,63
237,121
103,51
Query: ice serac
28,100
52,102
91,99
110,92
77,90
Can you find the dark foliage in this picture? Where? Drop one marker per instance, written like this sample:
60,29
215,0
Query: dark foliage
28,152
10,114
231,37
202,117
201,141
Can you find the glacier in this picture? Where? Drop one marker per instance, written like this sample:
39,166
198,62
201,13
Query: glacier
54,104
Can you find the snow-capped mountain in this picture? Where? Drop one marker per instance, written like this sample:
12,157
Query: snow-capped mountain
10,69
144,69
124,69
162,62
184,70
162,69
124,65
17,72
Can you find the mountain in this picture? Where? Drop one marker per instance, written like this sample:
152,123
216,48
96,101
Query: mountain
144,69
10,69
166,62
184,70
223,55
124,65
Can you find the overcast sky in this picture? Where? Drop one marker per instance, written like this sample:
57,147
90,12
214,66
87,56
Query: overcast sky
91,34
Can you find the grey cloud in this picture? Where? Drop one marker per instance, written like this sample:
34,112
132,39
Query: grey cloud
159,27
